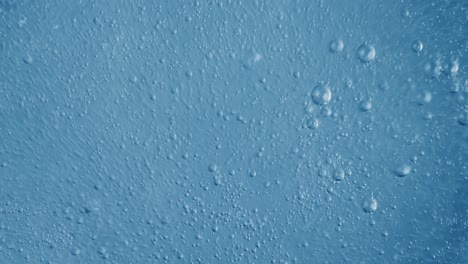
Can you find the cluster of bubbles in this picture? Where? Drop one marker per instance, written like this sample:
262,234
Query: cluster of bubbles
321,96
365,52
321,93
438,66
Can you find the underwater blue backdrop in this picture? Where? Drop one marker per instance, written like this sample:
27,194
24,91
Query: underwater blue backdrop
233,131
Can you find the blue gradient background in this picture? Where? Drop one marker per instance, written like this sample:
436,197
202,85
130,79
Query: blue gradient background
177,132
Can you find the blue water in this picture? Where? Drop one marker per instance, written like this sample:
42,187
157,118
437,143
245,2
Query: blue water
233,131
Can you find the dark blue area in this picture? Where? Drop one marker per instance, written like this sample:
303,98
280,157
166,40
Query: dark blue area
233,131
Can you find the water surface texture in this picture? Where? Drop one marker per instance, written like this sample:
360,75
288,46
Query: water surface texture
235,131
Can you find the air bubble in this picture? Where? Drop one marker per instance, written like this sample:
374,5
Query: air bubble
102,250
428,116
463,119
213,167
322,172
349,83
405,13
424,98
326,111
313,123
433,68
321,94
417,46
365,105
75,252
369,205
336,46
257,57
457,86
366,53
451,68
217,180
338,175
28,59
403,170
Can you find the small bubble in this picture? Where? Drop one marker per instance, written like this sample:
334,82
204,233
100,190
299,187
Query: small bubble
417,46
433,68
463,119
217,180
313,123
308,107
424,98
321,94
22,21
213,167
369,205
403,170
257,57
75,251
326,111
97,21
365,105
405,13
336,46
28,59
458,86
451,68
102,250
349,83
366,53
322,172
338,175
384,86
428,116
462,99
